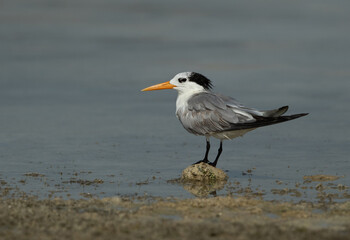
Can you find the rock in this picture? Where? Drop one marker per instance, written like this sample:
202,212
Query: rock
203,172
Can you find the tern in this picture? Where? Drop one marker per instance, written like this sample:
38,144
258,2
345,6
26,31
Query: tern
205,113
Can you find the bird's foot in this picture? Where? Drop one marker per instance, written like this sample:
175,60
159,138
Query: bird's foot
202,161
205,161
212,164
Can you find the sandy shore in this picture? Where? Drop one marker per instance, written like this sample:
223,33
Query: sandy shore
124,218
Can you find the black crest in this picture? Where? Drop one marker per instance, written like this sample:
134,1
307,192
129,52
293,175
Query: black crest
201,80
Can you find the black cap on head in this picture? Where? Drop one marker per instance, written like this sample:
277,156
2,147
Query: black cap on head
200,80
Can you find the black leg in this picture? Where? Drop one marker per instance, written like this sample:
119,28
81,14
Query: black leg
205,160
217,156
207,151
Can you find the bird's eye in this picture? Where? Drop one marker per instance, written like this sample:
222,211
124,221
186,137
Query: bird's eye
181,80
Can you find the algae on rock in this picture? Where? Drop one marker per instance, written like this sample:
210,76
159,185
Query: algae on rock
203,172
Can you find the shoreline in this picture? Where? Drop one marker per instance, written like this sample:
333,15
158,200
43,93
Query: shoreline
170,218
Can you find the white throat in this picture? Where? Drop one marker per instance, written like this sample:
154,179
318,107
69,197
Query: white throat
183,96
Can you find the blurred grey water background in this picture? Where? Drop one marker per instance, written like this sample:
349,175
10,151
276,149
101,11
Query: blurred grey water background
71,106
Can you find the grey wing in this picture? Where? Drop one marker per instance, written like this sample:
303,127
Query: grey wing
208,113
233,103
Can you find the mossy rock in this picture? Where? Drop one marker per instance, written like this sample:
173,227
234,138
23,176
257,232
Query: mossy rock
203,172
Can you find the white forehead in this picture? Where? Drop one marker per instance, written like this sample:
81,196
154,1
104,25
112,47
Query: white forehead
183,75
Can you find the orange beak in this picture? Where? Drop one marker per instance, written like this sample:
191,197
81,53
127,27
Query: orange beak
160,86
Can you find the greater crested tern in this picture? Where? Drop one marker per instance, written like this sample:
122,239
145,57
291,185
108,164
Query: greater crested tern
202,112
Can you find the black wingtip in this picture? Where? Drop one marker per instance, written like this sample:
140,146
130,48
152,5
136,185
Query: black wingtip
291,117
264,121
300,114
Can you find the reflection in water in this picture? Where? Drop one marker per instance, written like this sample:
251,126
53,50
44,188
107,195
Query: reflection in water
203,189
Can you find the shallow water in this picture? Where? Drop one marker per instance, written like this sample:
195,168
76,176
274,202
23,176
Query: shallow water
72,110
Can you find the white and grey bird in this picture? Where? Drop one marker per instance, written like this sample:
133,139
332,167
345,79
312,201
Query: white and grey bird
202,112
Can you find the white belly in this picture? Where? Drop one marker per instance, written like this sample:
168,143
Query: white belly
230,134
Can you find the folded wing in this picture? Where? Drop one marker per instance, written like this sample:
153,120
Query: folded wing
212,113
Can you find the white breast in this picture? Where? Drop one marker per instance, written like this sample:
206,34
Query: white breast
182,100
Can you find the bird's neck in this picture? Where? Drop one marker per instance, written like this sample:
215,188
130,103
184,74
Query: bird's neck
184,96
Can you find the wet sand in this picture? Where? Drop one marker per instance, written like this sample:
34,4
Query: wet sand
167,218
242,213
